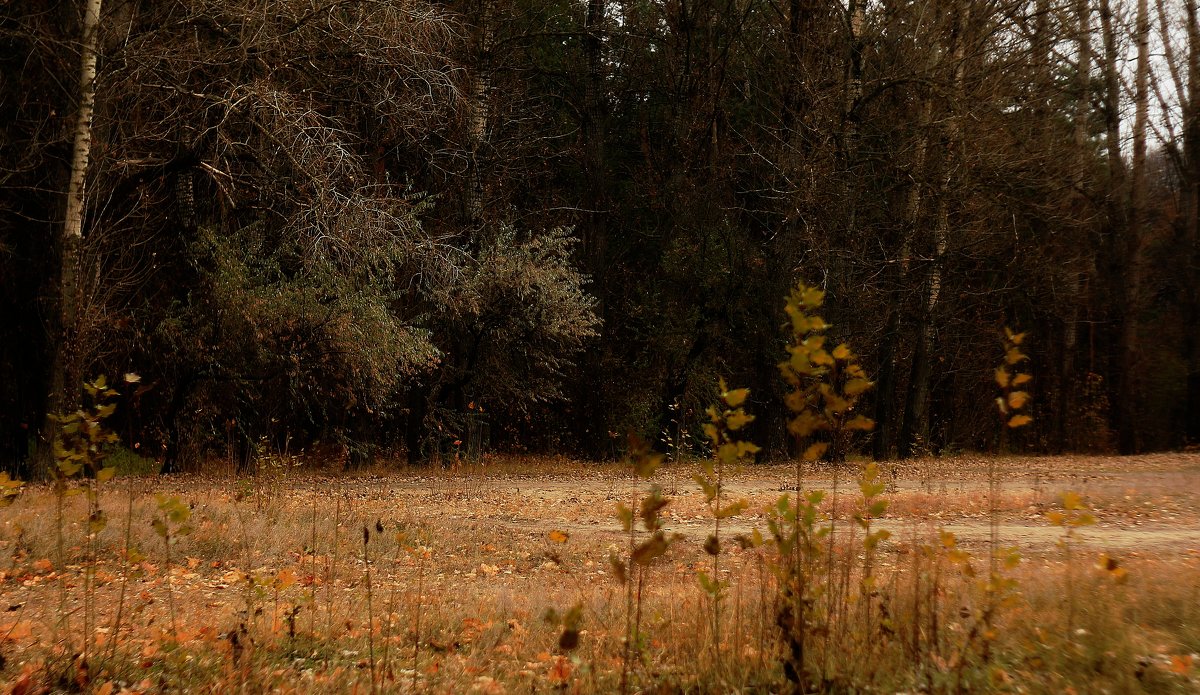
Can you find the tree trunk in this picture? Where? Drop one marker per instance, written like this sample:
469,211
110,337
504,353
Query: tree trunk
480,111
1129,400
1074,280
885,417
1191,221
65,375
595,230
914,432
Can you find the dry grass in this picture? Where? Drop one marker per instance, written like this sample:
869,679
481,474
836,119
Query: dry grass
270,586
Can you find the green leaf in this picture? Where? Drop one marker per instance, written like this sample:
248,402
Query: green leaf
97,522
105,474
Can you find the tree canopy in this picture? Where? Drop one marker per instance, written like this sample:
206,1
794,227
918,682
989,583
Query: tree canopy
366,223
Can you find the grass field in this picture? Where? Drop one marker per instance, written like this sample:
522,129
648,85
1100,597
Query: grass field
469,576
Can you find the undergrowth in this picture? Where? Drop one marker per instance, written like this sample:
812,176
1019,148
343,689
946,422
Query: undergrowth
326,586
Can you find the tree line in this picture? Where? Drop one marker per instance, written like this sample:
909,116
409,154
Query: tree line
372,224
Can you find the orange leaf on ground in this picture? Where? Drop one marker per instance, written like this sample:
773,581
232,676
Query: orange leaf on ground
1181,664
560,671
15,631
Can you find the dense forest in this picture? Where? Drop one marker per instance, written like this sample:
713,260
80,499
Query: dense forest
394,226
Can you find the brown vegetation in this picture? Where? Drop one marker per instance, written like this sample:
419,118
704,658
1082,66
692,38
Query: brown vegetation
269,588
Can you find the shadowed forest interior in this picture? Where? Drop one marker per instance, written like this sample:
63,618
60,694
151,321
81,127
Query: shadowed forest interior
537,226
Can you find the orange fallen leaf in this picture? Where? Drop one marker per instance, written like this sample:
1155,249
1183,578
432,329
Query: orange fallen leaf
1181,664
560,671
16,631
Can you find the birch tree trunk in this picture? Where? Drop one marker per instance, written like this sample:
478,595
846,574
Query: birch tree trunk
65,374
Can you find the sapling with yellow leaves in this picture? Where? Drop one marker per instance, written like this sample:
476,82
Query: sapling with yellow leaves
640,555
1075,514
873,506
824,388
725,421
1012,379
825,385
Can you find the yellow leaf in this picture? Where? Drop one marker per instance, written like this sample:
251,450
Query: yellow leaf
738,419
1018,399
1055,518
855,387
105,474
815,451
1019,420
1013,356
1071,501
735,397
557,536
860,422
1021,379
1084,519
1002,377
806,423
842,352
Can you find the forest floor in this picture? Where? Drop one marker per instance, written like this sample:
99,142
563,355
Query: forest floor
470,558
